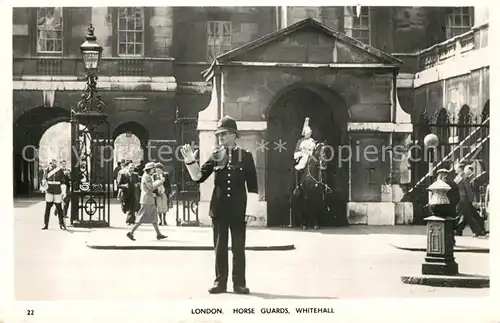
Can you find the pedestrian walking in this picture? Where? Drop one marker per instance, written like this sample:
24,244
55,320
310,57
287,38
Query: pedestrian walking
465,208
235,174
54,186
129,192
147,213
162,193
120,165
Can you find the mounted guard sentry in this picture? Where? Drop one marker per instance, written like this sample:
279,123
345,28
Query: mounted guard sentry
91,157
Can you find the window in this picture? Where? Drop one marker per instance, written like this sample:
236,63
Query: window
130,31
218,38
357,27
458,21
49,33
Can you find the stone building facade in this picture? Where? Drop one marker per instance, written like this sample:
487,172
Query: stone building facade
367,71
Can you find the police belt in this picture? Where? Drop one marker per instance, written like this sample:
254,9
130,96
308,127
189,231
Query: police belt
54,182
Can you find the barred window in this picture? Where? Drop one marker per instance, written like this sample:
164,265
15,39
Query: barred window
357,27
458,21
130,31
49,32
219,38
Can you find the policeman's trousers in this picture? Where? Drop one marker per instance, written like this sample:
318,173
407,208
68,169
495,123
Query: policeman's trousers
221,237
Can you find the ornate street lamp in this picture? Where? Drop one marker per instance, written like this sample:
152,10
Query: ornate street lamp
91,54
439,258
91,171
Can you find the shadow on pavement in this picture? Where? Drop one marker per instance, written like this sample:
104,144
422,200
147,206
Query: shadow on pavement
277,296
359,230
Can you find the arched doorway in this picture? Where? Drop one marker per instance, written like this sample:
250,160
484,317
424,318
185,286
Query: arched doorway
127,146
328,120
28,130
130,142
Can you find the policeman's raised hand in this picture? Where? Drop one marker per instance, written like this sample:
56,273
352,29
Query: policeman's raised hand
188,154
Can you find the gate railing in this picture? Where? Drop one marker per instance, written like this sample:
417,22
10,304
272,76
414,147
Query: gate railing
471,144
186,207
186,193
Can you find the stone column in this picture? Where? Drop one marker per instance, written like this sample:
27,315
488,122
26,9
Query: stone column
103,24
207,123
162,25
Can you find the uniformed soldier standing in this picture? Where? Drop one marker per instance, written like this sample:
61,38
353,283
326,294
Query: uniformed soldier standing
54,185
234,168
67,181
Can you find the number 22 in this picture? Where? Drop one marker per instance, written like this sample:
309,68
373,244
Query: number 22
30,312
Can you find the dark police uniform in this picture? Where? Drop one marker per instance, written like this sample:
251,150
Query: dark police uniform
235,173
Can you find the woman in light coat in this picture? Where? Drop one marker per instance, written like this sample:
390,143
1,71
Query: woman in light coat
148,213
162,194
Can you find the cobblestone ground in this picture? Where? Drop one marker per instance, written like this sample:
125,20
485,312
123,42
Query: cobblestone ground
334,263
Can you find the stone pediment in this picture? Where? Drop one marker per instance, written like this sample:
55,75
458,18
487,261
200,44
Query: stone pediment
307,41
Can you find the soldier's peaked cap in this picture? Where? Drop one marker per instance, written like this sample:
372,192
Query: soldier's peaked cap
442,171
227,124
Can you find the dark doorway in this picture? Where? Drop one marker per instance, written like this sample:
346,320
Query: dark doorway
328,121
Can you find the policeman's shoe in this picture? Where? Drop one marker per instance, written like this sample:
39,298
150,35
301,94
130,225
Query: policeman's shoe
45,227
130,236
218,289
160,237
241,290
62,226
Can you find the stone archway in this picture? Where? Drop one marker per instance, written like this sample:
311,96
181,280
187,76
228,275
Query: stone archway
28,129
285,118
138,131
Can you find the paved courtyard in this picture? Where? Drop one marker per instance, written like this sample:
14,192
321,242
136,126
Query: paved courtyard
332,263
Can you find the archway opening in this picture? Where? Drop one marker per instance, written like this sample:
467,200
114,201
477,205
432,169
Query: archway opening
127,146
130,142
28,130
328,120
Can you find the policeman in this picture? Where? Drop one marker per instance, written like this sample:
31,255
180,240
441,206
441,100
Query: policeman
233,167
54,185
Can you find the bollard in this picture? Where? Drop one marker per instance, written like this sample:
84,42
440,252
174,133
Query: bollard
440,258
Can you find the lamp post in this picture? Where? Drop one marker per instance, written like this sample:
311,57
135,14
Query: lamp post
440,258
90,133
431,141
91,54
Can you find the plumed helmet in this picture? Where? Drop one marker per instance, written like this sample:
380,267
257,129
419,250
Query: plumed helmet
227,124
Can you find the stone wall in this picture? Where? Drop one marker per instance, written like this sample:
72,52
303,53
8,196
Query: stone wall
249,92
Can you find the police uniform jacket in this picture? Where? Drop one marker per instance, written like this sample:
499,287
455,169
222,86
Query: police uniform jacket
55,177
235,173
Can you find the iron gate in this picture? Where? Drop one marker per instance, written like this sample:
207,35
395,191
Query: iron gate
187,195
463,138
92,171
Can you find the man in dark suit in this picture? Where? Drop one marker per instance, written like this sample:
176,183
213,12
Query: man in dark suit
129,182
465,207
235,173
